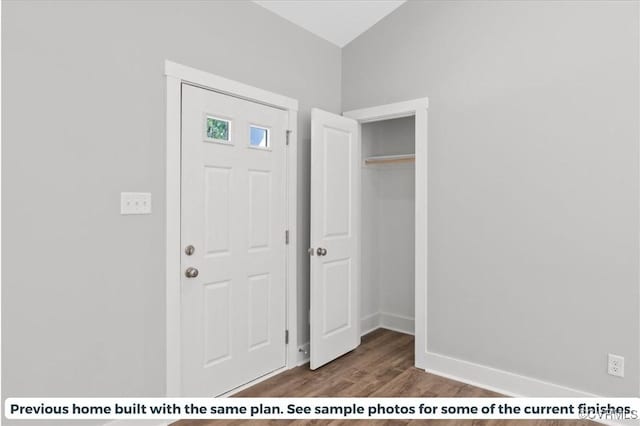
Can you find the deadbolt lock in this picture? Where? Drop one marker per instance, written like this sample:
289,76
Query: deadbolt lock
189,250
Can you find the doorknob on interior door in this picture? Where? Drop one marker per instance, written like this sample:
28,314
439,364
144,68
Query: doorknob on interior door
321,251
191,272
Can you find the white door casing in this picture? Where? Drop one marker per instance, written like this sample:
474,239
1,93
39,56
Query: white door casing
335,236
417,108
233,211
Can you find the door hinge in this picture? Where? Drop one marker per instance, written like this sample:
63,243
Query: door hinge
286,236
286,337
288,136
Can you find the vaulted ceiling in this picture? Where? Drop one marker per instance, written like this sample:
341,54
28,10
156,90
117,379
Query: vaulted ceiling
338,21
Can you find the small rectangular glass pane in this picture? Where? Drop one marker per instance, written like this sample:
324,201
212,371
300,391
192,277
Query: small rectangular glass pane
259,137
217,129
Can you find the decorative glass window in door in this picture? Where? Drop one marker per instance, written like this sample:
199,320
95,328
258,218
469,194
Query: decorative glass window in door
259,137
218,129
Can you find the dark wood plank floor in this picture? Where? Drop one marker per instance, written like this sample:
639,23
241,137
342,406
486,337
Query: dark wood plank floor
382,366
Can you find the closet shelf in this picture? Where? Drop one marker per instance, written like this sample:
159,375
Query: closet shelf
390,159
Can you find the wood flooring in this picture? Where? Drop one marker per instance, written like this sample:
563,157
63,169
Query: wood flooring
382,366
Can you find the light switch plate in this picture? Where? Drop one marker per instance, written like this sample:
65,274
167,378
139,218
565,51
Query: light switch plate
135,203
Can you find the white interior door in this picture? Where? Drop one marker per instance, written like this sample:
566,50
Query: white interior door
233,217
335,236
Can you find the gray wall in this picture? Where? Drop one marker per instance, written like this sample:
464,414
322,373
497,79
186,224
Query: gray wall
83,110
533,178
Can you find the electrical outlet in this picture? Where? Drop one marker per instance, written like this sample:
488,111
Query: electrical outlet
135,203
615,366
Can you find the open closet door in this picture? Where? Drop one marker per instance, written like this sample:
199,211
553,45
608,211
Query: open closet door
335,236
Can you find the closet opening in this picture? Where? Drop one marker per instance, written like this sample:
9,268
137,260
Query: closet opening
388,225
368,254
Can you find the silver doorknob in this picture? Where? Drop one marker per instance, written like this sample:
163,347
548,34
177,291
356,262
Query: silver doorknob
191,272
321,251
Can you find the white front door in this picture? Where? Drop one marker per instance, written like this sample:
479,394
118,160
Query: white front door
233,241
335,236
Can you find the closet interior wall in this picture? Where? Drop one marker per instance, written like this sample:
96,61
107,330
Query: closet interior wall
388,227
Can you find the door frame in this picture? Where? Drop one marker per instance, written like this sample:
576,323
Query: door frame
175,76
417,108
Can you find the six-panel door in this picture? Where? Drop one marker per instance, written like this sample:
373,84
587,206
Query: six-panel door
233,214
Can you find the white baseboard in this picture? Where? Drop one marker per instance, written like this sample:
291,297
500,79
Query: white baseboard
397,323
369,323
386,320
254,382
504,382
495,380
140,423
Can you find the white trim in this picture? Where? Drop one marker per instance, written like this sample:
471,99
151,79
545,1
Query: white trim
176,75
292,226
398,323
417,108
504,382
369,323
253,382
172,236
229,87
421,243
389,111
393,322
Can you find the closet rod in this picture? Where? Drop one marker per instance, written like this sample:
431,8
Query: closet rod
390,159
